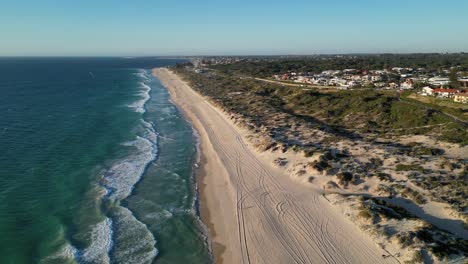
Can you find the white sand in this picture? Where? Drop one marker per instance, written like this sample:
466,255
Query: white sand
257,212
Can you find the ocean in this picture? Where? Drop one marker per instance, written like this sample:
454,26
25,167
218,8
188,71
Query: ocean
96,165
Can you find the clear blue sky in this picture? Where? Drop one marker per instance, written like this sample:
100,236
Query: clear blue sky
182,27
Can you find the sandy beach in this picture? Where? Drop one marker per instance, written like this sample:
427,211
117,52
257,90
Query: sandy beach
254,211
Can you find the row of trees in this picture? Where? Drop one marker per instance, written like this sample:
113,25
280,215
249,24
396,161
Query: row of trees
270,66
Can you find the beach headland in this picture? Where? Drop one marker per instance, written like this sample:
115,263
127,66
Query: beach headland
254,211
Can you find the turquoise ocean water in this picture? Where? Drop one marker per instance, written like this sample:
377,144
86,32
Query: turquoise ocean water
96,165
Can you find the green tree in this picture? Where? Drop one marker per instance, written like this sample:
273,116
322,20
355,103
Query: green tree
454,83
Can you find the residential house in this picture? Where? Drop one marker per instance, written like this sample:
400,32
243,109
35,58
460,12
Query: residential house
376,78
464,81
366,77
337,81
379,72
461,98
427,91
438,81
356,77
328,72
407,75
322,81
445,93
408,84
379,84
284,77
392,85
301,79
351,84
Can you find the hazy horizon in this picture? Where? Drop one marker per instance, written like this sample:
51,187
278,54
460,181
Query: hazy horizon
227,55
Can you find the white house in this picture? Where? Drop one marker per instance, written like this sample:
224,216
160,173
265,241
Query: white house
408,84
351,84
427,91
439,81
379,84
328,72
337,81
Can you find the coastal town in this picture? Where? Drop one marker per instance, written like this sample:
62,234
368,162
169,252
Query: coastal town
445,83
427,82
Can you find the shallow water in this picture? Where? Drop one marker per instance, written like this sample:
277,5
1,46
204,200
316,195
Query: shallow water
85,174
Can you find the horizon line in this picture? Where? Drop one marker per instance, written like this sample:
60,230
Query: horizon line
229,55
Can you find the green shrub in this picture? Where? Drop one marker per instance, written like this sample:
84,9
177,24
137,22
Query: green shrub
417,258
308,153
405,239
344,177
320,165
384,176
428,151
366,213
405,167
413,195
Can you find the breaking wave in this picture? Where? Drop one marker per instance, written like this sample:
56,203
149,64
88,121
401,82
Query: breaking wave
121,237
101,243
133,242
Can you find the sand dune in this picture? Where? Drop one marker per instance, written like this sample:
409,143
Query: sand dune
257,214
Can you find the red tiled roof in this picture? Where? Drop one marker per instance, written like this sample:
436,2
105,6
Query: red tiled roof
445,91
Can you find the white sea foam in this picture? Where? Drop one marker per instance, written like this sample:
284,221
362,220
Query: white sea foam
101,244
119,182
65,253
124,174
97,252
164,214
142,74
129,239
139,105
150,133
134,242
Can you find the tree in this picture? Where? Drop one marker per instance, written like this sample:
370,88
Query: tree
454,78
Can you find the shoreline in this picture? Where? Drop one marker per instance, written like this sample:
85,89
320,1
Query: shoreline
254,212
217,249
206,204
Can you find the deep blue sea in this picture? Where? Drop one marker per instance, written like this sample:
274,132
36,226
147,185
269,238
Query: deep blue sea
96,165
